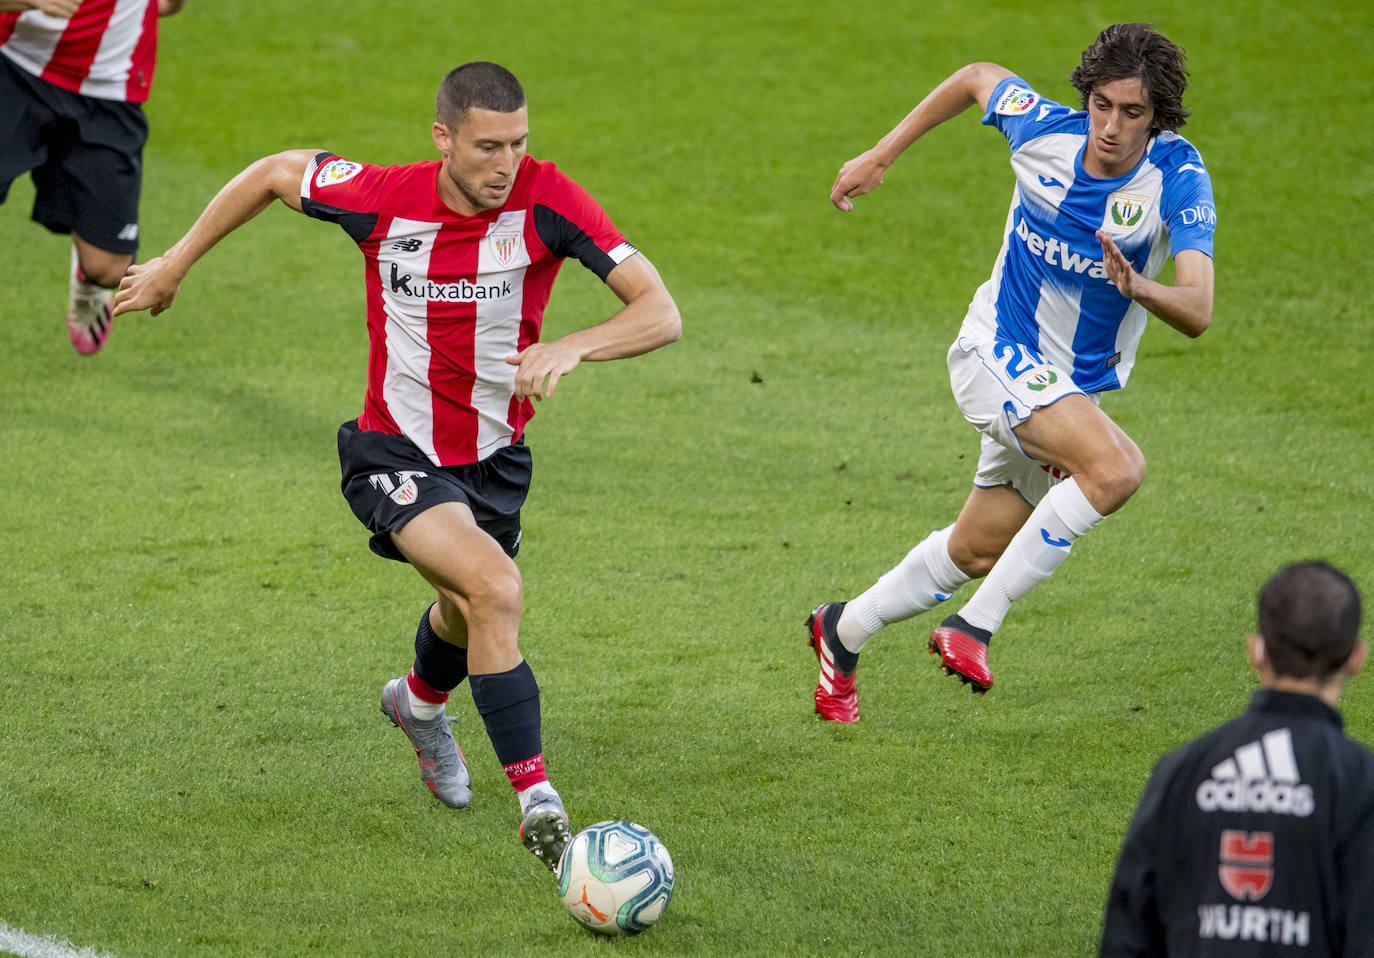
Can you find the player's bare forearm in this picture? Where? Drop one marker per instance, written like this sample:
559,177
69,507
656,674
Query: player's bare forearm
276,177
1186,305
55,8
153,285
1187,309
648,320
959,91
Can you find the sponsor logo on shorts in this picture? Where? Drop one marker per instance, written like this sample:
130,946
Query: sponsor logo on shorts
403,490
1016,101
129,232
1038,380
406,493
337,171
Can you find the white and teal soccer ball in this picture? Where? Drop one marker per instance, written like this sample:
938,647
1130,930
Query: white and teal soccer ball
615,877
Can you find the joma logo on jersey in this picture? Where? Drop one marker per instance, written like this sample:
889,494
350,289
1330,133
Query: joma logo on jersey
1057,253
459,292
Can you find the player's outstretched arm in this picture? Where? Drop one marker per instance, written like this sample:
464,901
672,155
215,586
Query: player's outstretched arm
153,285
959,91
649,319
1186,305
54,8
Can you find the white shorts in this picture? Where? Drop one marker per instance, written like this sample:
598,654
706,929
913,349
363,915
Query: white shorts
997,385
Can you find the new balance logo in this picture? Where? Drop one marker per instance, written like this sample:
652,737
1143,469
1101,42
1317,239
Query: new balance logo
129,232
407,245
1260,777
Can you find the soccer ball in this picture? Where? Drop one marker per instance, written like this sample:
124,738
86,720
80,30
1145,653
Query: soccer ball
615,877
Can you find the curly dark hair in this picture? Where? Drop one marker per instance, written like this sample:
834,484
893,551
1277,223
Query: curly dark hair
481,84
1137,50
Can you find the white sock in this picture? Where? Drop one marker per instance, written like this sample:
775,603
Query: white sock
538,792
920,582
422,710
1033,554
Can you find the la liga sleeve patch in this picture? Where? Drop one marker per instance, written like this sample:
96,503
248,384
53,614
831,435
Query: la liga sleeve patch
336,171
1016,100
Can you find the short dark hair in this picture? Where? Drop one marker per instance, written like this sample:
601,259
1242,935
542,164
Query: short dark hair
1136,50
1309,618
481,84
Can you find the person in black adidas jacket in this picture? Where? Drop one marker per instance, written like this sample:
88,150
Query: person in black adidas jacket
1257,839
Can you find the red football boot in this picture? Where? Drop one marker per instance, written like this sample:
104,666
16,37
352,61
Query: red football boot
836,699
962,654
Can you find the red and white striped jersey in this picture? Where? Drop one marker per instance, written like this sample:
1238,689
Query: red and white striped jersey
106,50
449,297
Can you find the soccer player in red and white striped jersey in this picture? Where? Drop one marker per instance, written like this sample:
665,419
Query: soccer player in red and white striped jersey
460,256
73,77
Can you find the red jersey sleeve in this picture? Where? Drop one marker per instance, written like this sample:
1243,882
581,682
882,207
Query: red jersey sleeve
344,192
572,224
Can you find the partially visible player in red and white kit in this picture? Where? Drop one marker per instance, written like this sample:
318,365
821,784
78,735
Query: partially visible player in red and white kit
73,77
460,256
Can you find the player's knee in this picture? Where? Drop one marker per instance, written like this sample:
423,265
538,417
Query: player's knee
972,560
105,271
500,594
1114,479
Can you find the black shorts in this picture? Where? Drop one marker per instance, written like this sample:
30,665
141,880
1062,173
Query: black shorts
388,481
85,155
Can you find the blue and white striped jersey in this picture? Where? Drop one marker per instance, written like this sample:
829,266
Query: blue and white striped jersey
1048,289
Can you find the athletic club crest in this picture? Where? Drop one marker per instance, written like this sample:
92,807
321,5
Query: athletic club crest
1126,210
406,493
506,247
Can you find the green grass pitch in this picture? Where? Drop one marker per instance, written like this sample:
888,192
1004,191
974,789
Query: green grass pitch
193,634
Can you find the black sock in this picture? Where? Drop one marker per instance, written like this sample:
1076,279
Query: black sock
439,664
509,705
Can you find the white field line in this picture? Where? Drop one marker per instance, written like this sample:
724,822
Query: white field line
19,942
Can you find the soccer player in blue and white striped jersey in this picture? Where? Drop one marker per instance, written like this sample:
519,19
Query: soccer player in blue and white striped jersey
1104,196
